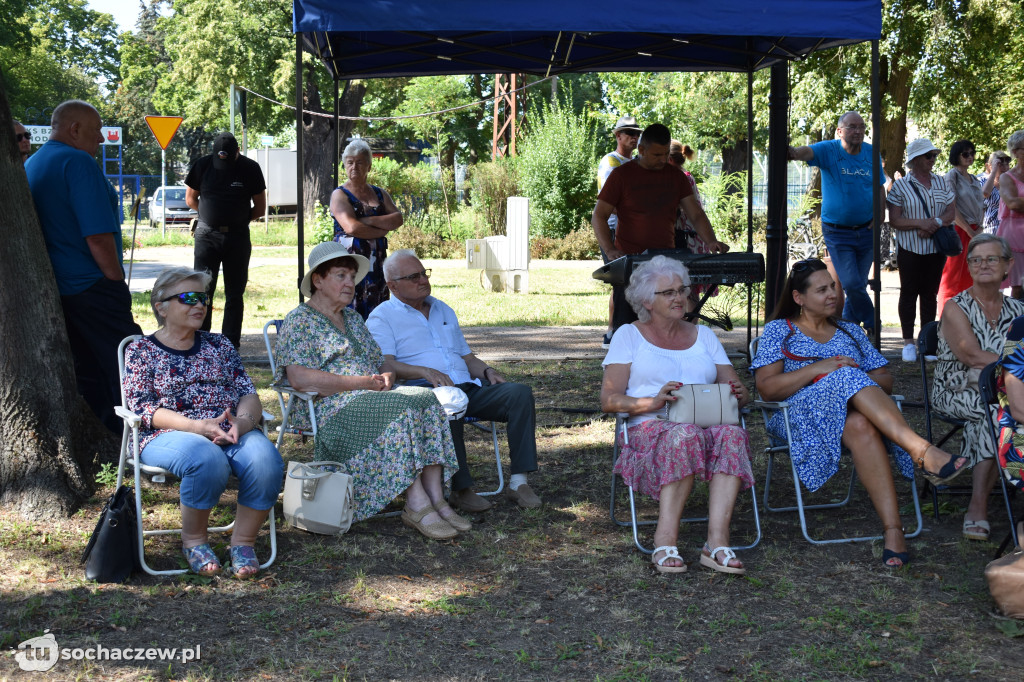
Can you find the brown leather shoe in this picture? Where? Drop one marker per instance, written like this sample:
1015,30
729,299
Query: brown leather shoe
468,501
524,497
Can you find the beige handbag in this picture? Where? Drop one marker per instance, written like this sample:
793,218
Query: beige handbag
704,405
317,498
1005,578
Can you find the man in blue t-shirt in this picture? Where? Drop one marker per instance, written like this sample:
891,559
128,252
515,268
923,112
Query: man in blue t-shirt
846,212
81,224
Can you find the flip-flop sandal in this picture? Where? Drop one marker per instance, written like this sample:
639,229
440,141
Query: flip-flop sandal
976,530
707,559
199,557
244,563
671,552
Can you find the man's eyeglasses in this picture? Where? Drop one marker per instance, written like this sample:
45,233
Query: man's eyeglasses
630,133
681,292
991,260
856,129
18,137
425,274
189,298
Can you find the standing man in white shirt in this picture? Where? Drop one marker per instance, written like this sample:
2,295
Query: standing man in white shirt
423,344
627,134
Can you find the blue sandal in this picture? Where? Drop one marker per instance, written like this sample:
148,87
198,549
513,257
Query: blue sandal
244,563
201,557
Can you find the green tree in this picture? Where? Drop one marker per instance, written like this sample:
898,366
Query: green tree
558,156
451,132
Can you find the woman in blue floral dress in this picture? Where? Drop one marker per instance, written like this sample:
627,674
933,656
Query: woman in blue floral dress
837,386
363,215
391,440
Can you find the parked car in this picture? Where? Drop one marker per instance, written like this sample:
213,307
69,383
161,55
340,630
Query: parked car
178,212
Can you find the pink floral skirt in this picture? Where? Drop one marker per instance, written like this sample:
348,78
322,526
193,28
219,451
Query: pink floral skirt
662,452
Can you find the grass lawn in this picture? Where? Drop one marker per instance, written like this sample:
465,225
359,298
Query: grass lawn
558,296
552,593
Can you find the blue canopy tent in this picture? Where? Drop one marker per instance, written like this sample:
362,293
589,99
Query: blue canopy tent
390,38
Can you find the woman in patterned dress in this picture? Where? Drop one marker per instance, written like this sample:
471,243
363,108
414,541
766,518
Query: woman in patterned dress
648,360
199,416
391,440
1011,211
838,390
363,215
971,336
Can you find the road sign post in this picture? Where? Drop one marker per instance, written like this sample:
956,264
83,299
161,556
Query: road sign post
163,128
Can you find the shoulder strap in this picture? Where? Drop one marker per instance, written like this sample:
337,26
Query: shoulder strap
925,204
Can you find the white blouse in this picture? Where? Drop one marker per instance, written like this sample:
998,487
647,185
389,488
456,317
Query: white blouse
651,367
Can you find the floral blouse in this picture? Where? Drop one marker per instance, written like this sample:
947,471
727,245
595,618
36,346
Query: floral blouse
199,383
309,339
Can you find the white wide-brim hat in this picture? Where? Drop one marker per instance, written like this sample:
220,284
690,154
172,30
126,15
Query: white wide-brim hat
326,251
919,147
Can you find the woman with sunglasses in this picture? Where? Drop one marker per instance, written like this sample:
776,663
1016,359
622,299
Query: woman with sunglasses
838,389
1011,212
646,362
390,440
969,214
919,203
972,333
200,417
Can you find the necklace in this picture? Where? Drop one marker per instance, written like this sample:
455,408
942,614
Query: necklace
985,305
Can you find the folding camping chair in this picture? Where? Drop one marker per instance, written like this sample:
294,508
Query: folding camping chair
987,386
635,522
777,447
287,397
132,423
928,344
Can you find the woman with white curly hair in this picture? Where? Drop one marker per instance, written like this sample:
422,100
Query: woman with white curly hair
647,361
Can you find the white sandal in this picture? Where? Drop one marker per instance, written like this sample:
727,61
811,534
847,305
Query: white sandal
707,559
976,529
671,552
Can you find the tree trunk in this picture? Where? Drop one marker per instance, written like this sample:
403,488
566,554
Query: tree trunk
318,137
49,438
894,81
734,160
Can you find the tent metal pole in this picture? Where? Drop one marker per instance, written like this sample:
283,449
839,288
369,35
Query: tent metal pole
750,192
778,146
876,189
299,189
337,133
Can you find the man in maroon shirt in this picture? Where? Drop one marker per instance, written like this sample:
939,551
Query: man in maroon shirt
645,194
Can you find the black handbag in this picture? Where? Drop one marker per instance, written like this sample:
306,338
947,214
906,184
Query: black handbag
946,240
112,554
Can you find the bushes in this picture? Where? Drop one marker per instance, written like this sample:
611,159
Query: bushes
425,244
557,170
493,183
579,244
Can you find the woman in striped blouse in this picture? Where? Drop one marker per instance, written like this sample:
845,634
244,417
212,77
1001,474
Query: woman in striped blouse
919,203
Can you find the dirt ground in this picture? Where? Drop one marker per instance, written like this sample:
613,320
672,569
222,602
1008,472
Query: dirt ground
554,593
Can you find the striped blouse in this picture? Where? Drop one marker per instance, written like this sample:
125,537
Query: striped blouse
939,196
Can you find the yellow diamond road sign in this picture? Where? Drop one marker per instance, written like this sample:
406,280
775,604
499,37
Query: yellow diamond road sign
163,128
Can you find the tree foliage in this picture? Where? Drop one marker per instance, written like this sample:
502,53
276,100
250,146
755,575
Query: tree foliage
558,157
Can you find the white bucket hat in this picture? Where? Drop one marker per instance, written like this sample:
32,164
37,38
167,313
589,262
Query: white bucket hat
919,147
326,251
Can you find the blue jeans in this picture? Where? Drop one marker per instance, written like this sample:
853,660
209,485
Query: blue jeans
204,467
852,253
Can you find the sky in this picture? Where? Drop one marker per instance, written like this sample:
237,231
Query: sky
125,11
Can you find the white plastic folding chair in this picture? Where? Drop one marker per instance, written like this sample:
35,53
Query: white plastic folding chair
777,446
287,395
634,520
130,457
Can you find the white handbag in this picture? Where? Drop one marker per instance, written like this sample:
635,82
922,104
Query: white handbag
704,405
317,498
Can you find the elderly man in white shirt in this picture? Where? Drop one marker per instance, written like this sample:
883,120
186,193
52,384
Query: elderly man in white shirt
422,342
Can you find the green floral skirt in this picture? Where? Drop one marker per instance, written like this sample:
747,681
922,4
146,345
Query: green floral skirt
383,440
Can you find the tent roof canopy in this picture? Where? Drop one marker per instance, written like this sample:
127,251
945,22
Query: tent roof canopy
389,38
